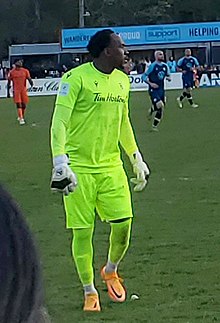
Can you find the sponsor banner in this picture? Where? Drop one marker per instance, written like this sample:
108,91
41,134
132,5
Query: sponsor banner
44,87
79,38
137,84
41,87
149,34
210,80
50,86
3,89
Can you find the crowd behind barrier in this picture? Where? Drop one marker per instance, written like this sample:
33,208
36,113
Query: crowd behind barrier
49,69
48,82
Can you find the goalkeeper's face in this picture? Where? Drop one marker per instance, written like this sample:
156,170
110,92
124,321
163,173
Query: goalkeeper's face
116,51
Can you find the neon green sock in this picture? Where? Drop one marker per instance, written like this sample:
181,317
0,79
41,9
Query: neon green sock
82,249
119,240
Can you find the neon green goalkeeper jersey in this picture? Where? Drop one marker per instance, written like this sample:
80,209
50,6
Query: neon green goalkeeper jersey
90,119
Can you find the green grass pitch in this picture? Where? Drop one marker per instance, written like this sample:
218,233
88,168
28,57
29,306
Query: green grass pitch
173,263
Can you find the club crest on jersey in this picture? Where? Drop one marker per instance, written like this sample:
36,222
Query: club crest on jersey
64,89
96,83
121,86
161,75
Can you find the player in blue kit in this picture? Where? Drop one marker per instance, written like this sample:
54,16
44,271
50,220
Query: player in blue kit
155,76
186,65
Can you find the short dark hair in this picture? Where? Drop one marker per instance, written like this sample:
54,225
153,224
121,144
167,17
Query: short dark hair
18,60
99,41
21,291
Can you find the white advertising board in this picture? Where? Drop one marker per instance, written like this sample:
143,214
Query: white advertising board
138,85
41,87
50,86
3,91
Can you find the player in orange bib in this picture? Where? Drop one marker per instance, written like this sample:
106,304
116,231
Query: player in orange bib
18,76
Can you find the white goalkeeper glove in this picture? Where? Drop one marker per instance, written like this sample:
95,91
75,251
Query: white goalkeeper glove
63,179
141,171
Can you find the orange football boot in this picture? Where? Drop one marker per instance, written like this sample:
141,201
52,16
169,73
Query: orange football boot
116,290
91,303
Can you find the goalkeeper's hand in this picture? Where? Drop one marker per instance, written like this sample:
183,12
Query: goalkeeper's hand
141,171
63,179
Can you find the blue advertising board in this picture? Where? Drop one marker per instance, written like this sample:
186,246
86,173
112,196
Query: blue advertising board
144,35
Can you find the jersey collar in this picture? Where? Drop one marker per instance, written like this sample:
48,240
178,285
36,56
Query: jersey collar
99,72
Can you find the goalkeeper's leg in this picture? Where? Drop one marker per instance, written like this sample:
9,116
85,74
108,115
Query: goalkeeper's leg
119,243
82,249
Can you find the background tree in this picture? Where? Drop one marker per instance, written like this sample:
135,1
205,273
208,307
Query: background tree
31,21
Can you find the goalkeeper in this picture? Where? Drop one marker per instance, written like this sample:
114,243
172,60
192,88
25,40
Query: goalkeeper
90,120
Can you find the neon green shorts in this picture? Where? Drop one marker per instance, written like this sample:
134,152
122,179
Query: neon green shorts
106,194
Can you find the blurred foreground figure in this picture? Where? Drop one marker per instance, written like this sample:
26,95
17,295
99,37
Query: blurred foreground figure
21,291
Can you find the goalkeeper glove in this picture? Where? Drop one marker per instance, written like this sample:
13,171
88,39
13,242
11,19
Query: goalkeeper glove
63,179
141,171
